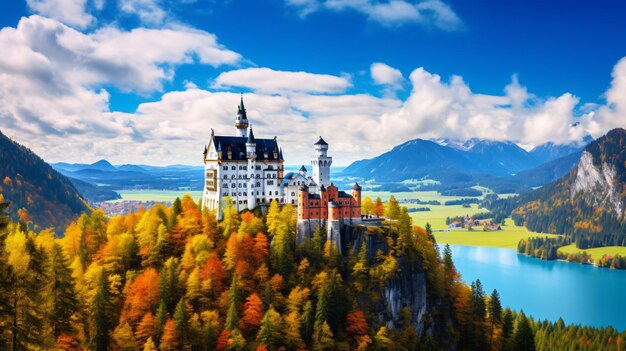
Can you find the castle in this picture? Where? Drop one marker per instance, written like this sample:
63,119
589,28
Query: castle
251,172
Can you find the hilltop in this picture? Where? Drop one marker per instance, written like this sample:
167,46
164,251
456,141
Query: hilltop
588,204
49,198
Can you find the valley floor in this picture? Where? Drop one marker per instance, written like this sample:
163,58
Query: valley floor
507,238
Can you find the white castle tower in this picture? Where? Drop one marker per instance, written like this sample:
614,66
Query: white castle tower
251,156
242,120
321,163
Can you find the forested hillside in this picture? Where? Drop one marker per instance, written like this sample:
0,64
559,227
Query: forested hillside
36,192
175,279
588,204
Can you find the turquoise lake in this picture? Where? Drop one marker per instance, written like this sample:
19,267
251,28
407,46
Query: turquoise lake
580,294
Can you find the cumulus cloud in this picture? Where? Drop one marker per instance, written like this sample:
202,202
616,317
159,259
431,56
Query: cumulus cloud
390,13
271,81
52,79
71,12
53,98
148,11
386,75
613,114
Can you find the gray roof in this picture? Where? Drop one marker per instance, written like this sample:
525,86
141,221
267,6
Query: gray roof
321,142
237,146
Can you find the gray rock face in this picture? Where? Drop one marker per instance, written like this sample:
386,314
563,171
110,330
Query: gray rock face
597,184
407,290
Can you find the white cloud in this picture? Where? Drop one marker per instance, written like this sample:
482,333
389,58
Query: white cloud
613,114
52,99
71,12
383,74
51,79
148,11
390,13
270,81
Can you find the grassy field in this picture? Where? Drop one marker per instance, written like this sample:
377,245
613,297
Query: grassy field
437,214
507,238
597,252
156,195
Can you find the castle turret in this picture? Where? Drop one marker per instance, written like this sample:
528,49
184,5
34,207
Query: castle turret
321,163
356,194
356,201
251,156
241,123
303,203
302,171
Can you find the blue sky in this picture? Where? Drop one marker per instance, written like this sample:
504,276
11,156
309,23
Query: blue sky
372,73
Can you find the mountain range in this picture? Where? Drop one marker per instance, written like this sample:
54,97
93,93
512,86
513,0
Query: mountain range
36,191
107,178
473,162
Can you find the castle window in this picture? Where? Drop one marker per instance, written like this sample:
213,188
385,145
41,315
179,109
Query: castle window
245,168
225,176
232,176
258,176
258,168
233,168
232,185
258,184
270,182
293,193
270,167
225,168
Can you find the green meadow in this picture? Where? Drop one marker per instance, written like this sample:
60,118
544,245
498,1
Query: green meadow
596,253
156,195
507,238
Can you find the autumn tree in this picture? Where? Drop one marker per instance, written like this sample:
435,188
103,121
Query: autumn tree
62,293
169,340
271,329
100,321
252,314
378,209
367,206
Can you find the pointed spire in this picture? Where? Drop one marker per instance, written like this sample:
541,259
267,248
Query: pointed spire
303,169
241,110
251,139
321,142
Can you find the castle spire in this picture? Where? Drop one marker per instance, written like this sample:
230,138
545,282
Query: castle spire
242,119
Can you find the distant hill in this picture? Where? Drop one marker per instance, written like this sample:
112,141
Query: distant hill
29,182
473,162
589,203
109,178
547,172
93,193
551,151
